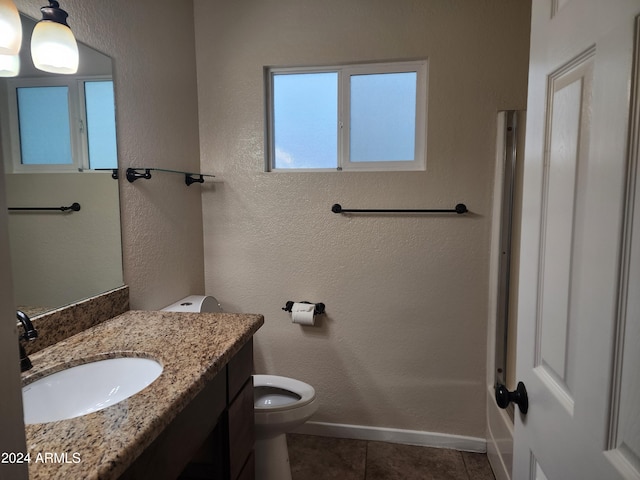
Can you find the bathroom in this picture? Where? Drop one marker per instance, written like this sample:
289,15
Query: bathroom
402,347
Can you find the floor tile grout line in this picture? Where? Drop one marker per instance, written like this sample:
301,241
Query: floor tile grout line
464,462
366,459
472,465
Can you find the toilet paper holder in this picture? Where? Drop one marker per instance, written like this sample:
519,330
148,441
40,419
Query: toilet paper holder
318,308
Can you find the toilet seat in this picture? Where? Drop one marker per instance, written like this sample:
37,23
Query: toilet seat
273,393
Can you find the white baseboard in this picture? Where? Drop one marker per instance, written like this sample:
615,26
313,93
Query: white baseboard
394,435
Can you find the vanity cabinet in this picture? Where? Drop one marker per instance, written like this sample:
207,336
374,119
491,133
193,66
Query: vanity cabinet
213,437
240,414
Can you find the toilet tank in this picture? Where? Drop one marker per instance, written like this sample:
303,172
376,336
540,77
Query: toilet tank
195,303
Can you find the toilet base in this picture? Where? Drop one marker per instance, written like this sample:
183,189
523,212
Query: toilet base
272,458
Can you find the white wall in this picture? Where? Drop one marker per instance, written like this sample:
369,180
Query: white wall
403,344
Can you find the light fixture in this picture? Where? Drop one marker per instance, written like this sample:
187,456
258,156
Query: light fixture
9,65
53,46
10,28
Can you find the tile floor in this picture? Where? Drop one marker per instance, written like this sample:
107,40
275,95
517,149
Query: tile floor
323,458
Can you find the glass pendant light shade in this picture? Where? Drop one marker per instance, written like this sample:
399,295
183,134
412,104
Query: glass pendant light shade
53,46
9,65
10,28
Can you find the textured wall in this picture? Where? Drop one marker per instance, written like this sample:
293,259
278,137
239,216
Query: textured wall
403,343
153,53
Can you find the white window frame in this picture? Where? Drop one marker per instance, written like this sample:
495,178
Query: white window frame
345,72
77,122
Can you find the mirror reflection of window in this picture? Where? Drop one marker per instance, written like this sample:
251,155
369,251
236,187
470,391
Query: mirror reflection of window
101,124
63,125
43,115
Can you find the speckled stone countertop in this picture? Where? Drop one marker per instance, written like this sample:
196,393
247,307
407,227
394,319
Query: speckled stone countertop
192,347
56,325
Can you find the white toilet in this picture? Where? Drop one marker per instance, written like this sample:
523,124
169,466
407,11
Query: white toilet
280,405
195,303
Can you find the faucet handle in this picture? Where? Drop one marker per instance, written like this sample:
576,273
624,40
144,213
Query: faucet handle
29,335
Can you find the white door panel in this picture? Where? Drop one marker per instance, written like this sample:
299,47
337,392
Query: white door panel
624,433
568,129
573,339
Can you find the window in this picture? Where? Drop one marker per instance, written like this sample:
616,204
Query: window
59,124
362,117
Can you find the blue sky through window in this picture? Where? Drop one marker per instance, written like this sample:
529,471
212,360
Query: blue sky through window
101,124
43,114
383,117
306,120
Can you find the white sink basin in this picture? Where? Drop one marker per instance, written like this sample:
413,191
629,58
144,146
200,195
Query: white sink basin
86,388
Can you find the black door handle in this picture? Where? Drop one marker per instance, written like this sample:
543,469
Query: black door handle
519,396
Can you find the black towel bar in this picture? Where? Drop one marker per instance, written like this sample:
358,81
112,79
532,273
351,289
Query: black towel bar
459,208
75,206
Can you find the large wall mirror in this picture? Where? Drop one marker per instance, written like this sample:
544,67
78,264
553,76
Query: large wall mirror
58,147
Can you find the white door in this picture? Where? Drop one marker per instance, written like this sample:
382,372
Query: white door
578,351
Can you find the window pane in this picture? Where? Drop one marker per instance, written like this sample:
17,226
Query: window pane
101,124
43,114
305,120
383,116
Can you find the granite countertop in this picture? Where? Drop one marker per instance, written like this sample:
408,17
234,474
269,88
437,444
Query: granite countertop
192,348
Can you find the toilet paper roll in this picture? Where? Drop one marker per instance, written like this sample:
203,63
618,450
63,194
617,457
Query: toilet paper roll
302,313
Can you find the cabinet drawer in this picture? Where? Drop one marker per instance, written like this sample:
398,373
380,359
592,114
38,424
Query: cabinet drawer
241,429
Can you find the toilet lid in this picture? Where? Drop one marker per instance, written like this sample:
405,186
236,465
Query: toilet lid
273,393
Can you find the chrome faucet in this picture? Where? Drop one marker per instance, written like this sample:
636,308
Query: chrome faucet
30,333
